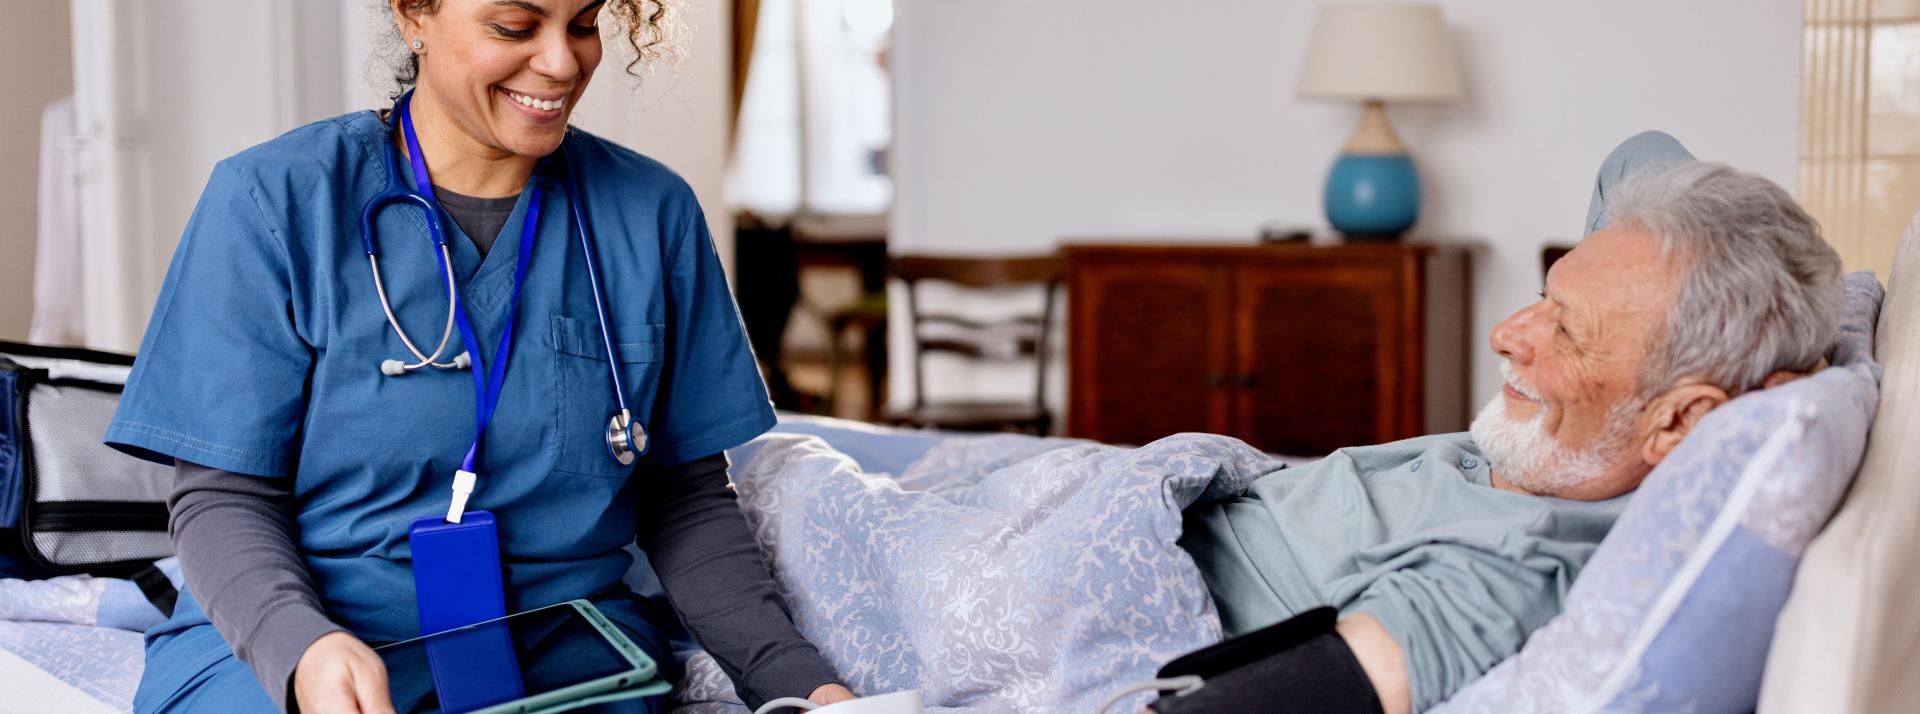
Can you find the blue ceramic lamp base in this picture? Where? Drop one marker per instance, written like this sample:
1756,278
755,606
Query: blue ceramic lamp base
1373,196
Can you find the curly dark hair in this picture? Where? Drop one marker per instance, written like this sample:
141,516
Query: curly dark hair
650,27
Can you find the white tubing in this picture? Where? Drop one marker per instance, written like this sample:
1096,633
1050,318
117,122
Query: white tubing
786,703
1177,685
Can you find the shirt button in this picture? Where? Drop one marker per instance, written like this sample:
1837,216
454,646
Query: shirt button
1416,464
1468,463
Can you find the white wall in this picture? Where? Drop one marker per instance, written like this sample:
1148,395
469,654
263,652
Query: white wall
36,67
1019,122
679,113
163,91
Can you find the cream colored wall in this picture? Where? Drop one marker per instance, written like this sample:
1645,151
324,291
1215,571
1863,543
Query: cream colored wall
678,113
36,67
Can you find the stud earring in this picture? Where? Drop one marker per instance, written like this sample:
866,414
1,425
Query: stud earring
417,44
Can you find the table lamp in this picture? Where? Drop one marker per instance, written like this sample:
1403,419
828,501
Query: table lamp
1376,53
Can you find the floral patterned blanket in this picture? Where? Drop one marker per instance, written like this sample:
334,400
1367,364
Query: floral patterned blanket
997,573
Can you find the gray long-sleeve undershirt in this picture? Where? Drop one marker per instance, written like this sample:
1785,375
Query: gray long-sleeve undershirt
234,534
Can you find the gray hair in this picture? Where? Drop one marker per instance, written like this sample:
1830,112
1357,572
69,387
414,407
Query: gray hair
1761,288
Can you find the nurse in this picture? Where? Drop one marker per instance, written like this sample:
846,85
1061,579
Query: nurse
301,464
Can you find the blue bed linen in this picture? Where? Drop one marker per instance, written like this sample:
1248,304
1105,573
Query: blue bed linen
998,573
102,663
878,449
84,600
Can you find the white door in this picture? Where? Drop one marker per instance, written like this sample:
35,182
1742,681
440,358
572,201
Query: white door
165,89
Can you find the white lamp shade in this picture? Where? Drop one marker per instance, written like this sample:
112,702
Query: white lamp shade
1394,52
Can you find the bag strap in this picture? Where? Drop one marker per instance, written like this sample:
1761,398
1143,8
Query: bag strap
75,353
158,588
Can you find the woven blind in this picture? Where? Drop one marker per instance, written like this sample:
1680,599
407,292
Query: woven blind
1860,124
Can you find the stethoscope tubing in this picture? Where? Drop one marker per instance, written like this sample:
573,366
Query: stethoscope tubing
587,248
369,242
446,333
622,443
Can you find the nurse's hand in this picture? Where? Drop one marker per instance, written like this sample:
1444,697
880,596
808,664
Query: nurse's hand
339,673
830,693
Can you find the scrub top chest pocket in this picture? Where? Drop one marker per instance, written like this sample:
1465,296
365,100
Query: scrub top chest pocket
585,390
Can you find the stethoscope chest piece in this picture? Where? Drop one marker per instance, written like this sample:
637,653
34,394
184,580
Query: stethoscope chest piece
625,439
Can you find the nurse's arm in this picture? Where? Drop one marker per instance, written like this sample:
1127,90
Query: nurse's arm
234,536
692,529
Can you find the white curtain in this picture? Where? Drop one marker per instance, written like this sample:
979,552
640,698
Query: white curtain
59,302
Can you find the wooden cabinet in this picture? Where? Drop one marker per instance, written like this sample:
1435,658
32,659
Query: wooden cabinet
1296,349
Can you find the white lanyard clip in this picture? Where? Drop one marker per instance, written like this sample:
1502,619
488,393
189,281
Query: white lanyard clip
463,482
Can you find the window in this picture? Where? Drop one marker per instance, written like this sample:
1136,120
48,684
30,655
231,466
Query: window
1859,145
815,120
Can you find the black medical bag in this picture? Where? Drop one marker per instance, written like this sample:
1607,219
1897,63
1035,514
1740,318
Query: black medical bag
69,503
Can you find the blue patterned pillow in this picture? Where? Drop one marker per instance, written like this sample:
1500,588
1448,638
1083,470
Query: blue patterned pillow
1676,608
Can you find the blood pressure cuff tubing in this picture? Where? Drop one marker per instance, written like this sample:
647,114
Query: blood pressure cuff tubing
1298,665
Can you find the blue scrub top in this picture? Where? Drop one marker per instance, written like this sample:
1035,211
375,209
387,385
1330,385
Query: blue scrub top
263,357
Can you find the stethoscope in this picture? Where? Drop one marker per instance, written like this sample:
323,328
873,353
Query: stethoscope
625,438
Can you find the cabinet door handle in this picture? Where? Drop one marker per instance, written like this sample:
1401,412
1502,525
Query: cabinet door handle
1215,380
1248,380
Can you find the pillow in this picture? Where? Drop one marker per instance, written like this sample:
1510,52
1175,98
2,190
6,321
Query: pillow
1846,638
1676,608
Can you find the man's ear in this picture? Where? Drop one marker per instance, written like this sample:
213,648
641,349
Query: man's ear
1673,415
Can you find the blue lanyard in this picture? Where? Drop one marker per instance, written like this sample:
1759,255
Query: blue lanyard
486,389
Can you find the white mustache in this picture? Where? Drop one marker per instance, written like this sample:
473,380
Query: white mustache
1518,384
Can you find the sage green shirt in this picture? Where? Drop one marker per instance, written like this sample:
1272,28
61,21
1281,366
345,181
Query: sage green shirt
1411,532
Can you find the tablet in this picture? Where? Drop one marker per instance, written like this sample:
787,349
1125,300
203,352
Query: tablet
552,659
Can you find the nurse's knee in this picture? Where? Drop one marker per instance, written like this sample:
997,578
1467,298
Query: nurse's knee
195,671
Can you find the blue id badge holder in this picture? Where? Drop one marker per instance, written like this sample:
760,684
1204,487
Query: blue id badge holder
456,579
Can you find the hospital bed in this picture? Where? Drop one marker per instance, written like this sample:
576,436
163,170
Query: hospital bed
1843,641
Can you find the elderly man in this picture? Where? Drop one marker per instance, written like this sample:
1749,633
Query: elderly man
1696,283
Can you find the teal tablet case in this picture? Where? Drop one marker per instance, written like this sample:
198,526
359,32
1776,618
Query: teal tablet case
641,680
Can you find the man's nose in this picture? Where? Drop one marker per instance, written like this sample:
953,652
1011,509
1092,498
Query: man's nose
1509,338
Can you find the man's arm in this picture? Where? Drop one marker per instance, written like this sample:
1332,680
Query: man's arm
1300,664
1380,657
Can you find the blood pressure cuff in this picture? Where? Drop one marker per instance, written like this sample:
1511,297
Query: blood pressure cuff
1298,665
69,503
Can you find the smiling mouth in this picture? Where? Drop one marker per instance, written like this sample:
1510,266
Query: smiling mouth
533,102
1513,386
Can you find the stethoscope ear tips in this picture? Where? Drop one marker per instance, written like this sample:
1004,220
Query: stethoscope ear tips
395,368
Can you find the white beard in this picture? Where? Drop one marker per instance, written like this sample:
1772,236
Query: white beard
1529,458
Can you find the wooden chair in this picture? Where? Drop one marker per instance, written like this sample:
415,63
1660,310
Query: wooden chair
1023,337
